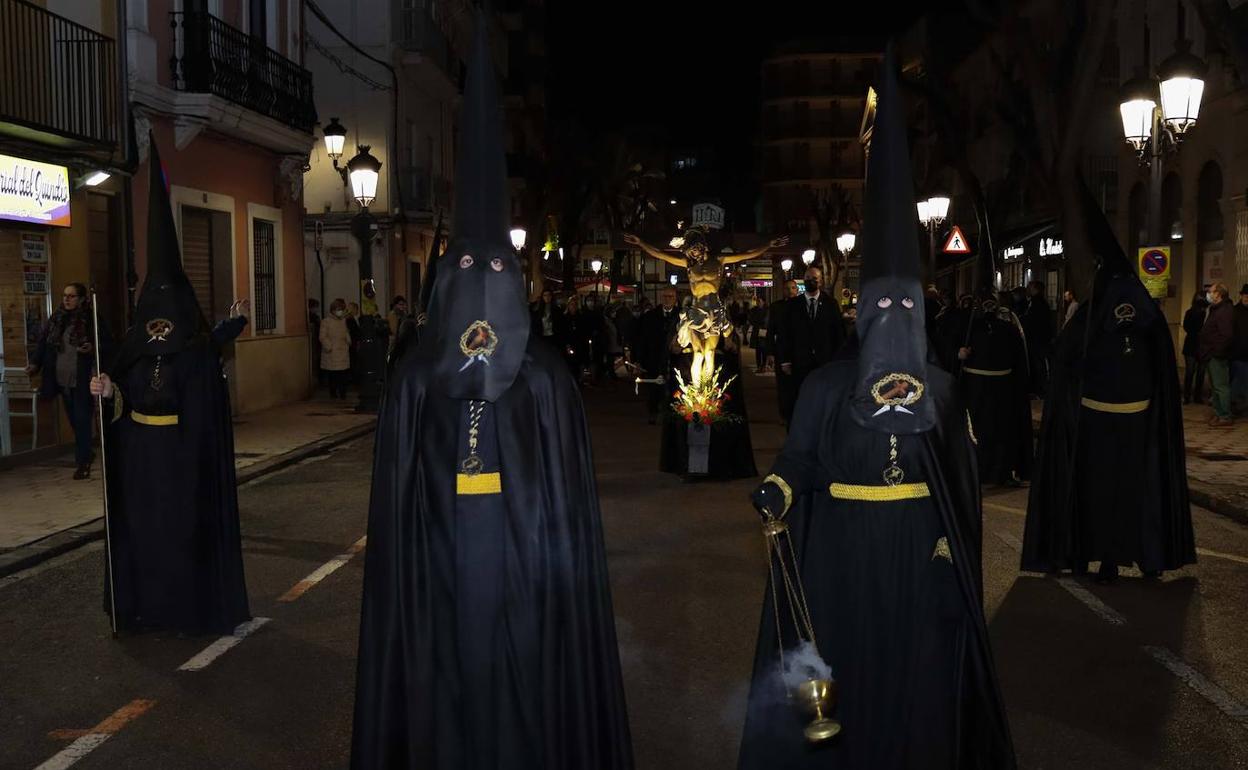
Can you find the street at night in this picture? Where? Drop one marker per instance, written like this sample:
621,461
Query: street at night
1135,675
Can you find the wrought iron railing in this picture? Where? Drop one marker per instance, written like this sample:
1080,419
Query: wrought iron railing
58,77
213,57
421,34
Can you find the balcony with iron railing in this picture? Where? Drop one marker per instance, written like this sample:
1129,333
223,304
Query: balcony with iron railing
425,191
213,57
60,78
420,33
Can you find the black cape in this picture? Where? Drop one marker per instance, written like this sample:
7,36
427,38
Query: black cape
556,595
173,500
1052,539
773,738
999,405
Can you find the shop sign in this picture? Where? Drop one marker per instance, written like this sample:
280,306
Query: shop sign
757,283
1013,252
35,279
34,192
1050,247
1154,266
35,248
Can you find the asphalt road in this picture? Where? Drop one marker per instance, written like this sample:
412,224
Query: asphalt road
1133,675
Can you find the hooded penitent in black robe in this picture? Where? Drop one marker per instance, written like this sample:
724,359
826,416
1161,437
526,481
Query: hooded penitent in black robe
1111,477
877,484
487,639
173,503
994,385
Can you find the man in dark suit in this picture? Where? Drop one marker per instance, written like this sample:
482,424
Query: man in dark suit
786,394
654,332
813,332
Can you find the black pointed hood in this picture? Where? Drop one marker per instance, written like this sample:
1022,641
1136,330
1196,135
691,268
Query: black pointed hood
167,316
478,316
891,392
1120,302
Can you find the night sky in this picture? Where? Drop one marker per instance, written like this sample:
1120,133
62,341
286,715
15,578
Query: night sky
691,68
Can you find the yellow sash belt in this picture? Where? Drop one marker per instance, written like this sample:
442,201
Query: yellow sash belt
154,419
478,484
880,493
987,372
1130,407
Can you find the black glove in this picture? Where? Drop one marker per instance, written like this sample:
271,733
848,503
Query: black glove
768,498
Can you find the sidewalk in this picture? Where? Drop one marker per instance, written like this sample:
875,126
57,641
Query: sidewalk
1217,461
41,500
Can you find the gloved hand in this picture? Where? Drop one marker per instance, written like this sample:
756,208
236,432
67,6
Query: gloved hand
768,498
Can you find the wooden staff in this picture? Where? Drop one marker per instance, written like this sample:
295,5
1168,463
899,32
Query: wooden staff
108,534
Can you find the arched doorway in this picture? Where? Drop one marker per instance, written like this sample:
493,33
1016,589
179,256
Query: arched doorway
1209,224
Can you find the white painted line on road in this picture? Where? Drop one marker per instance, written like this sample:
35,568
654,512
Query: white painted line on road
91,739
1220,555
222,645
323,571
1220,698
1089,599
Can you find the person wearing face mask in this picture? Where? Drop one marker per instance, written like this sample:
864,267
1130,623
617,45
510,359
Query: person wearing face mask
777,320
813,331
336,349
1217,340
1110,481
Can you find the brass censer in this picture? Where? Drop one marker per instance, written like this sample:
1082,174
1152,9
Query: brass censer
816,696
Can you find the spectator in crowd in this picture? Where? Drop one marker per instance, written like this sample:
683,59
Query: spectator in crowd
813,332
546,314
336,349
758,333
654,334
397,315
64,354
594,326
786,394
1072,304
1194,367
1239,362
573,337
1037,320
1217,339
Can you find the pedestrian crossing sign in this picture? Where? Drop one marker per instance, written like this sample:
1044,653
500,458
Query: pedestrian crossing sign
956,242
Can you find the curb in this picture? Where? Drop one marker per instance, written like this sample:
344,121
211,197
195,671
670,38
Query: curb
29,555
1231,505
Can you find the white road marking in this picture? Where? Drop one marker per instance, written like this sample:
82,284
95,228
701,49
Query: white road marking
1220,555
222,645
91,740
1220,698
323,571
1100,608
74,751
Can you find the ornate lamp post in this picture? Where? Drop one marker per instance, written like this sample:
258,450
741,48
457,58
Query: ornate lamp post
932,213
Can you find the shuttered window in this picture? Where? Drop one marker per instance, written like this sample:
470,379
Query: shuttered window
197,254
265,250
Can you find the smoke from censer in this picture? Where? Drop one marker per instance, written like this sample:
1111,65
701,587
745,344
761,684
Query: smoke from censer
801,664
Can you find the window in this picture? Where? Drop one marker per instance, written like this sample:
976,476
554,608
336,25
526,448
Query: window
265,266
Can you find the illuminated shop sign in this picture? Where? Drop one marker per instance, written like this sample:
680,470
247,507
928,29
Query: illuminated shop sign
34,192
1013,252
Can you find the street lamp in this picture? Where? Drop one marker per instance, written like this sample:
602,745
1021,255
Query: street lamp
672,279
845,243
596,266
808,257
335,139
363,171
1153,131
519,236
786,265
932,213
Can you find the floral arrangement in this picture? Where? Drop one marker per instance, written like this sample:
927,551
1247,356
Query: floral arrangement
703,402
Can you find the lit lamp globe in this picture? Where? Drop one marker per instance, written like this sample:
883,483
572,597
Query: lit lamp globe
786,264
1139,99
925,215
596,265
1182,86
808,257
518,237
335,139
672,279
845,242
363,170
938,208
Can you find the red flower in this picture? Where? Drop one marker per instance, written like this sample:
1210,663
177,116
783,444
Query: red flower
689,417
675,394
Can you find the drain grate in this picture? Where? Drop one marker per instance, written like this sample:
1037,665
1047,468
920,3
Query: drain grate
1222,457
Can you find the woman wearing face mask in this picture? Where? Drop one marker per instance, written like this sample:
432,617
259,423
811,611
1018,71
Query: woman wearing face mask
336,348
1194,368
